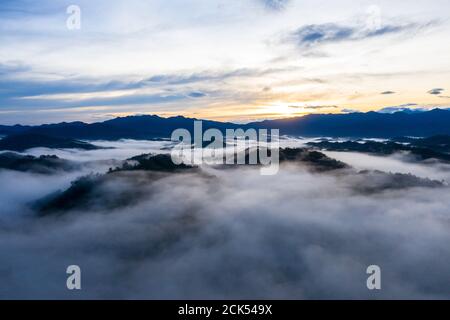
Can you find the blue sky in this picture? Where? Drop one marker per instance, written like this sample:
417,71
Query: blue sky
217,59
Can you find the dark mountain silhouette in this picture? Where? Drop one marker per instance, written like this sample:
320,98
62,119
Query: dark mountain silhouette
7,130
370,124
23,141
132,127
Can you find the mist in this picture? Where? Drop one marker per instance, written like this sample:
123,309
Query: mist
401,163
228,234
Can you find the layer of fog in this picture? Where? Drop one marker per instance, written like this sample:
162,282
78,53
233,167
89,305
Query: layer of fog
397,163
228,234
118,150
19,189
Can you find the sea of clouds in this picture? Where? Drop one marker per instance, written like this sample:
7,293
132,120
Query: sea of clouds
228,233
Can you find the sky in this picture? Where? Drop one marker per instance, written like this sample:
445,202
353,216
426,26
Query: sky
224,60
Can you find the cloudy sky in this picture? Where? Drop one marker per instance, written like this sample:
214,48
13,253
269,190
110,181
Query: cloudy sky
220,59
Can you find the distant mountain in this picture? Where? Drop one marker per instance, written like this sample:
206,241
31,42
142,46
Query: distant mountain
7,130
370,124
23,141
132,127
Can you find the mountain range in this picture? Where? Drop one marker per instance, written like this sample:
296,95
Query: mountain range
368,125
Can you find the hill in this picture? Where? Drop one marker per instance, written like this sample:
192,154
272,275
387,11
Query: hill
46,164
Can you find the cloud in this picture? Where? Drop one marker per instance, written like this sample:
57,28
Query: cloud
388,92
13,88
317,34
80,92
321,107
177,79
201,31
275,4
350,110
409,108
61,98
401,163
196,94
436,91
314,107
402,108
8,69
49,103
